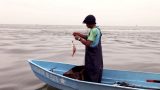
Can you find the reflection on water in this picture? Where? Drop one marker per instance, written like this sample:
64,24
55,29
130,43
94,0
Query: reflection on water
127,48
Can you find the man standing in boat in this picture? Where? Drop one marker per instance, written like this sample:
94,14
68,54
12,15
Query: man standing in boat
93,51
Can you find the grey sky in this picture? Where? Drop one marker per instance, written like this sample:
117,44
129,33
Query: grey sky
72,12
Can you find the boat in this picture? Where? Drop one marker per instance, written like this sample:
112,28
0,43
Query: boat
52,74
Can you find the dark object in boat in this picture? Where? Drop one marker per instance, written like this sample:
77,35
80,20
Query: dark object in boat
76,72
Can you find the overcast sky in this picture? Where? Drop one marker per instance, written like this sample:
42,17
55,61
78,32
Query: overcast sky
72,12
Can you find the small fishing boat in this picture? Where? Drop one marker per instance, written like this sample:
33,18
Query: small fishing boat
52,74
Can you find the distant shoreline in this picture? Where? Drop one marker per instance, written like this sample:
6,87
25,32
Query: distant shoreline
39,26
81,25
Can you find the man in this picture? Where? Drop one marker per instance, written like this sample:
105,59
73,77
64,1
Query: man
93,52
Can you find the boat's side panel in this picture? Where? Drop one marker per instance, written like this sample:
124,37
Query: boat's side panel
53,79
52,83
88,86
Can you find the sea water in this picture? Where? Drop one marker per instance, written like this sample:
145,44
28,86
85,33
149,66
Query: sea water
135,48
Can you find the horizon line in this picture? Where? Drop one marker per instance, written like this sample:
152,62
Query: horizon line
80,25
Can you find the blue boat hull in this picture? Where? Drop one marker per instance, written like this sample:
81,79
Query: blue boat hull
56,79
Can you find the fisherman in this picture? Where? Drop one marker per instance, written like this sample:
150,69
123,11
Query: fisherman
93,50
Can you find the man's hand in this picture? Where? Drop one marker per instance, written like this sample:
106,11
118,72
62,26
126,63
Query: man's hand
80,35
76,34
77,37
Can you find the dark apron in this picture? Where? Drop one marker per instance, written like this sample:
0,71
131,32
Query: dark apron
93,63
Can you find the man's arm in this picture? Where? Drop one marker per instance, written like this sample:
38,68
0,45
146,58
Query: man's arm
85,42
88,41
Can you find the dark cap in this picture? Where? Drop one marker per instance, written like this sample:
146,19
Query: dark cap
90,19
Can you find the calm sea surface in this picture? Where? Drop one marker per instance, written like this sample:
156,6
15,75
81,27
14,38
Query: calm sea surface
135,48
